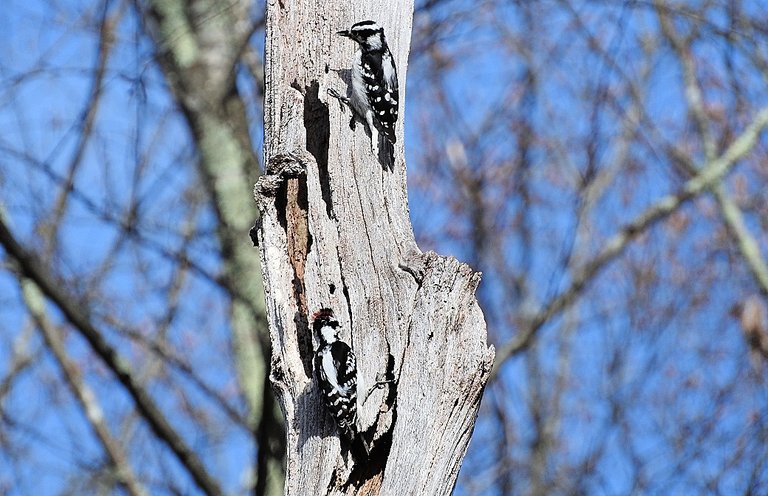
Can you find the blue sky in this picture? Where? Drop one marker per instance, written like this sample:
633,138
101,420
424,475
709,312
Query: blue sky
46,55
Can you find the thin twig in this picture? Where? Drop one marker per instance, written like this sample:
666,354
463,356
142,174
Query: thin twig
705,179
32,267
34,301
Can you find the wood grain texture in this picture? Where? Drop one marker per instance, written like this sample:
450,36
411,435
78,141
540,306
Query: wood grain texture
335,232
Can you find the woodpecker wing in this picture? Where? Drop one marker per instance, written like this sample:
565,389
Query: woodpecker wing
337,369
381,88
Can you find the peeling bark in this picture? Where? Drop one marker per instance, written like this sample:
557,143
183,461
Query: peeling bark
335,232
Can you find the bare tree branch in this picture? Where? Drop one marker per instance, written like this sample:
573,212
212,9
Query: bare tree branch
34,300
706,178
33,268
51,228
732,215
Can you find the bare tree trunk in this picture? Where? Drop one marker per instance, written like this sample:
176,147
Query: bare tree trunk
336,233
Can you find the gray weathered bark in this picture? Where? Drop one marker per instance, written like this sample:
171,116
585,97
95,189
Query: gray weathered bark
336,232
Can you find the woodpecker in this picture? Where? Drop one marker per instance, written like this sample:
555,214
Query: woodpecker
336,369
375,94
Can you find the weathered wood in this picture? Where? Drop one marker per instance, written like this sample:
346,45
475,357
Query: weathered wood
335,231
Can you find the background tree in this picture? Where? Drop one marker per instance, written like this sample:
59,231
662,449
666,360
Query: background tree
163,227
602,163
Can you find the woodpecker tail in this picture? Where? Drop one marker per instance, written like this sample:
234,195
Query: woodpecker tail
387,154
353,438
359,448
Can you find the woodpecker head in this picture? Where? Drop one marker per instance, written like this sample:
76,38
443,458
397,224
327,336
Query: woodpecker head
368,34
325,325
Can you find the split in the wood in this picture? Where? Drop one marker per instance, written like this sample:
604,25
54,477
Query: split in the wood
414,262
253,233
375,433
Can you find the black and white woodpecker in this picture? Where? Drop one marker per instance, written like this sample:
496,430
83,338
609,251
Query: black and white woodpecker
375,95
336,369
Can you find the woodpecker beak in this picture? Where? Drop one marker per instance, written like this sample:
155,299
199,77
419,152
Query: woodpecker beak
345,34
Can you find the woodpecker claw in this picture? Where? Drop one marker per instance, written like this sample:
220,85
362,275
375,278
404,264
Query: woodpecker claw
341,99
377,385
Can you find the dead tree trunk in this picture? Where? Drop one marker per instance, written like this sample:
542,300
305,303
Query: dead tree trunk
335,232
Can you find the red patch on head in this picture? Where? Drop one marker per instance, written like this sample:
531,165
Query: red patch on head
324,313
